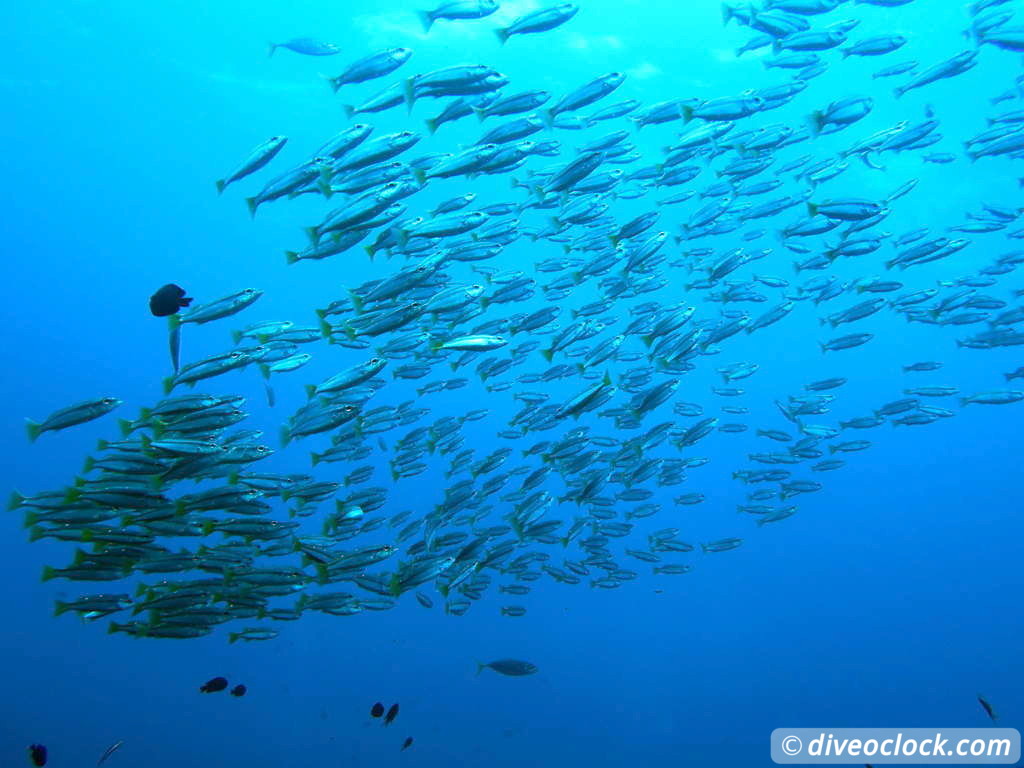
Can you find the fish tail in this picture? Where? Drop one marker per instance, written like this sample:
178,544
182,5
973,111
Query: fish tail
350,110
503,34
898,92
480,667
271,47
252,204
426,19
49,572
432,127
15,501
814,123
291,257
168,385
334,82
33,429
481,113
548,116
410,93
687,114
220,185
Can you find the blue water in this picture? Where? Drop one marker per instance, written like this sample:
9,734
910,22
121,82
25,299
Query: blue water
890,599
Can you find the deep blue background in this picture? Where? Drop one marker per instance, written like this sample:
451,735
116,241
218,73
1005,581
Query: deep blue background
891,599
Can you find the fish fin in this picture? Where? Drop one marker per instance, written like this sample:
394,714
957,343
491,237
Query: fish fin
814,123
15,501
33,429
410,93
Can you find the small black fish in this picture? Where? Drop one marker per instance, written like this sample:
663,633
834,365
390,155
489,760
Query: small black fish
391,715
214,685
988,708
377,710
407,743
168,300
239,690
37,754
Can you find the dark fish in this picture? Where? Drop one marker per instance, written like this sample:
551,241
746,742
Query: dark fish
239,690
391,715
37,755
214,685
110,750
510,667
377,710
168,300
407,743
988,708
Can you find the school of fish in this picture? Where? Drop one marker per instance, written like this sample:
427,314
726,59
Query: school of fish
642,270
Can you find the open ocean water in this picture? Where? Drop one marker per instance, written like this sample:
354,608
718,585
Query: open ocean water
884,591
